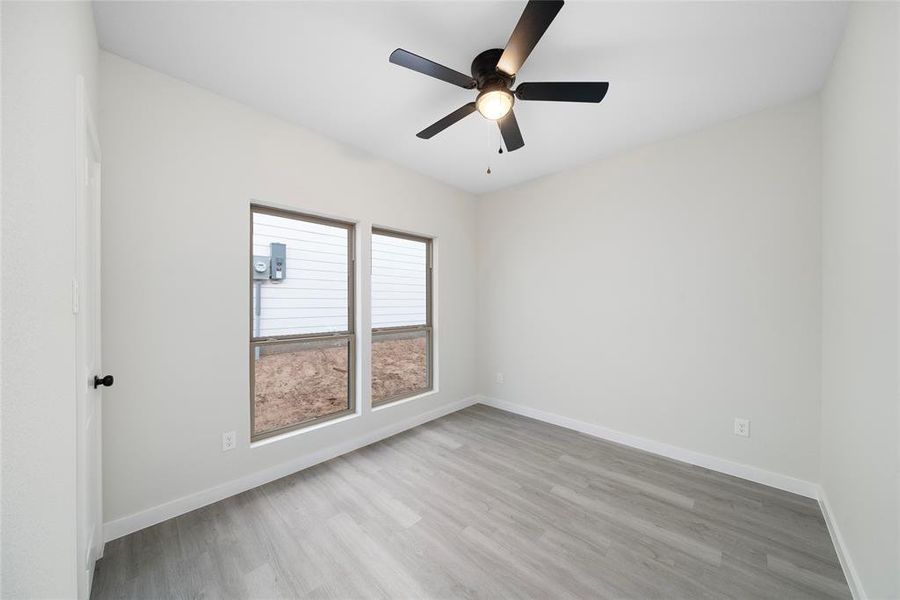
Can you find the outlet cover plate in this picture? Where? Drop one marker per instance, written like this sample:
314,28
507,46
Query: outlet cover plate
742,427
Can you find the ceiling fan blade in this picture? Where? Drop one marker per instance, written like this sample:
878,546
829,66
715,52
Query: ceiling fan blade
458,114
535,20
509,129
428,67
559,91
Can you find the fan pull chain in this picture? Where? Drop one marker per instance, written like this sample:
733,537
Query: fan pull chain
499,151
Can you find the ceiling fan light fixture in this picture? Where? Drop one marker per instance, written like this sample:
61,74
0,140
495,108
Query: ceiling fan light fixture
494,103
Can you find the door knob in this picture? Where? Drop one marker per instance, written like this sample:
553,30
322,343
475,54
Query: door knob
106,381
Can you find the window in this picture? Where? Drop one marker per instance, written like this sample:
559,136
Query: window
302,336
401,316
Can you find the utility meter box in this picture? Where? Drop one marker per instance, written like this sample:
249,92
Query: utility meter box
277,268
260,268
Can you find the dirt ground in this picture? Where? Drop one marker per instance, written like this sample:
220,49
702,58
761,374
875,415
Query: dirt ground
297,386
398,367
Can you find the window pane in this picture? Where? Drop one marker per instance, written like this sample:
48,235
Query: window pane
398,281
312,296
399,364
296,382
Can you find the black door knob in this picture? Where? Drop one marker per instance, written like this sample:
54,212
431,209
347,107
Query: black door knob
106,381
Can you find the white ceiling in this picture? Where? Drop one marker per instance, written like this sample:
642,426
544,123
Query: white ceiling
672,67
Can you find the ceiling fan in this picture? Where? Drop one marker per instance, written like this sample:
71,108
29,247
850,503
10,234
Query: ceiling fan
494,72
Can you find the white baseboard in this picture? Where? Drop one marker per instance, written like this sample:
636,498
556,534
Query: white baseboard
179,506
775,480
850,573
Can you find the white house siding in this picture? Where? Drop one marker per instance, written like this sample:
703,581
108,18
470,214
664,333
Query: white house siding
312,298
398,281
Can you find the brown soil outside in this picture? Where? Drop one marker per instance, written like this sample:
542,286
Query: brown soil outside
398,367
304,384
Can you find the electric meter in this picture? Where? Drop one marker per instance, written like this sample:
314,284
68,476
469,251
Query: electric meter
259,268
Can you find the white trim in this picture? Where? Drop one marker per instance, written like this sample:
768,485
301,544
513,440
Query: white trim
298,432
850,572
391,404
776,480
158,514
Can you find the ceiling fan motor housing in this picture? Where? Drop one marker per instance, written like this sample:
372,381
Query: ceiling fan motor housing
485,73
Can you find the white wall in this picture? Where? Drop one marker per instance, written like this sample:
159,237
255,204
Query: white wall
860,418
181,166
44,47
667,290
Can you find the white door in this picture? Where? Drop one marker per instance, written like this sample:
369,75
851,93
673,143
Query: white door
86,306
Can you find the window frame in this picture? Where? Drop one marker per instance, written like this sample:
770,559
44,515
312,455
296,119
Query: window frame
349,334
428,327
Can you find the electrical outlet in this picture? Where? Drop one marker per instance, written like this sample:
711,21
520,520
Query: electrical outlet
742,427
229,441
499,377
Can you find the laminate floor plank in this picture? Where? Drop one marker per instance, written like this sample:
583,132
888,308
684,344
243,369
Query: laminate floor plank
486,504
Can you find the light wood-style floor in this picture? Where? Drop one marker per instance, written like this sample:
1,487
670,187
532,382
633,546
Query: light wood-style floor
486,504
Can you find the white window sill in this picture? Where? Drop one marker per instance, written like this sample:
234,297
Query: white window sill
302,430
404,400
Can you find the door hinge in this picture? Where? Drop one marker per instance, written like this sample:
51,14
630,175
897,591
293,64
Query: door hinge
74,296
